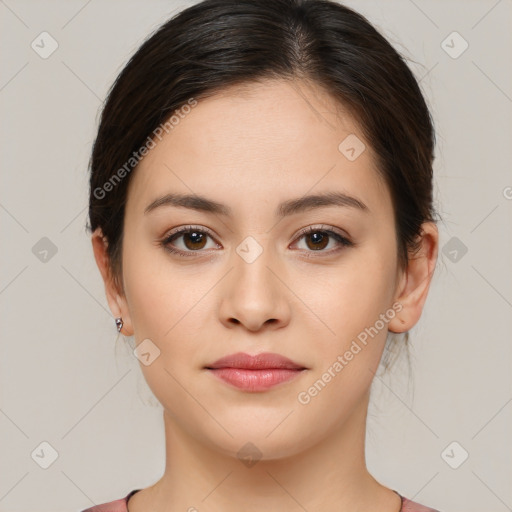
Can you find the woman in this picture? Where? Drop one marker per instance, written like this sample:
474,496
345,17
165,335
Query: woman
261,214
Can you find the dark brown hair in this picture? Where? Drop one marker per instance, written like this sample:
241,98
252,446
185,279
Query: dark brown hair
215,44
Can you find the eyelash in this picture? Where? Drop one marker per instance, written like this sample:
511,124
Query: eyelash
342,240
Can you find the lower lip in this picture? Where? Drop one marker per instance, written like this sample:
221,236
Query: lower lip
255,380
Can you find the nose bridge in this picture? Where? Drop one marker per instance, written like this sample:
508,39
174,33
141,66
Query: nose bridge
253,294
252,261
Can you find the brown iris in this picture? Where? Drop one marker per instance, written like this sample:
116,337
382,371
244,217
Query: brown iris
320,240
194,240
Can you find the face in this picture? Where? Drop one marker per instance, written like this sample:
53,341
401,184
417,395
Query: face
260,268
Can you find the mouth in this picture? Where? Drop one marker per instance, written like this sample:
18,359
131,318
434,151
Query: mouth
255,373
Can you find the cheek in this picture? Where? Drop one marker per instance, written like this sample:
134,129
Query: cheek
351,296
164,306
350,301
157,298
169,305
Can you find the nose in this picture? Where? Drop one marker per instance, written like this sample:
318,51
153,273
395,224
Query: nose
254,293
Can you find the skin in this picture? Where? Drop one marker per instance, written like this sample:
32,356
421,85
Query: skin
251,148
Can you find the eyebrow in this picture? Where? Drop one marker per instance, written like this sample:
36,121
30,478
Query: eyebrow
286,208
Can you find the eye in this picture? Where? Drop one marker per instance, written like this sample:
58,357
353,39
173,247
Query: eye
193,239
317,238
187,240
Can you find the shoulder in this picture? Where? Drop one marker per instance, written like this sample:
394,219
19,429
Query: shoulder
119,505
412,506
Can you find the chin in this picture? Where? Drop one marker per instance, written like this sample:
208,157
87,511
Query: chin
253,443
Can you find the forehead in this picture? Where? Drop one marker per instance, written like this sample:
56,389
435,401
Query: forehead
275,138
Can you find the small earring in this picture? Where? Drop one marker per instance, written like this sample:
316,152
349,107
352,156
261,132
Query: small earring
119,324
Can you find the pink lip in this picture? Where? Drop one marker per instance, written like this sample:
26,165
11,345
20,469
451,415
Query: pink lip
255,373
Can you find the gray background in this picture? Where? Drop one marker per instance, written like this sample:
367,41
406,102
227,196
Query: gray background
68,380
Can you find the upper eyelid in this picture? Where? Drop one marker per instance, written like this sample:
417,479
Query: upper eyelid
185,229
323,227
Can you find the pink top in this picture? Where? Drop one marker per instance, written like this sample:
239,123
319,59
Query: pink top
121,505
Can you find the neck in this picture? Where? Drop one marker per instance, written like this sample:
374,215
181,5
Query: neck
329,476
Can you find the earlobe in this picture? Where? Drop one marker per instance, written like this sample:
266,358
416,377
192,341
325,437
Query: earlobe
415,280
116,300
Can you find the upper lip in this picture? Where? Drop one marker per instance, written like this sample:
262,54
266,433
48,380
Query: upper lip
263,361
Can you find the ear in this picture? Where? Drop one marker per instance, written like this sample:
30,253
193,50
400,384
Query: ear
115,297
414,281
